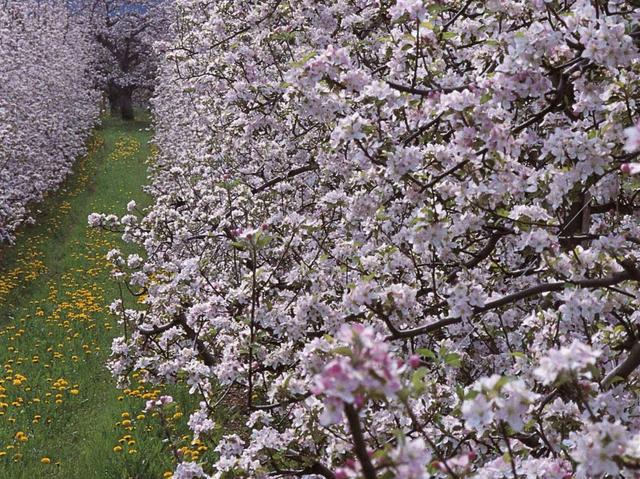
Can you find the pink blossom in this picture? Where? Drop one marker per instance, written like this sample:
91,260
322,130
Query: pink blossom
368,369
632,134
630,168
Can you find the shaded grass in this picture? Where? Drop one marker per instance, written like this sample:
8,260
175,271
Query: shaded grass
60,413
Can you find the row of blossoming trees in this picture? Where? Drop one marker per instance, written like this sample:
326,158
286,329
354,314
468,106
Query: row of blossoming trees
55,57
397,235
47,103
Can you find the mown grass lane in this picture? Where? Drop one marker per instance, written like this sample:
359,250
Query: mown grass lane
60,412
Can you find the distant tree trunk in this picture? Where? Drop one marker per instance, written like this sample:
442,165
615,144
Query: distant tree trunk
121,101
114,107
126,104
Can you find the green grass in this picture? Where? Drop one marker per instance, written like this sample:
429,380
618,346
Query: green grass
54,324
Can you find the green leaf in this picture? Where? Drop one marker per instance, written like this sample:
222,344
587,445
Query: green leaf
427,24
343,350
285,385
453,359
283,36
501,382
419,373
426,353
616,379
263,240
502,212
304,59
403,394
460,392
238,245
417,380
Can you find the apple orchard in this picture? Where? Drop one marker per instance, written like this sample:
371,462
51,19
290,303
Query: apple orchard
401,237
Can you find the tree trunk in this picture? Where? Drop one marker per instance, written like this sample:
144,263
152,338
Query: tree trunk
114,108
126,104
113,94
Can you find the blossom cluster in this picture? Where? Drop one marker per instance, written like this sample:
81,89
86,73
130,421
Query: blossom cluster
366,370
445,174
47,103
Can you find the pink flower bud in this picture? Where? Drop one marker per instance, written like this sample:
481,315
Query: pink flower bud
630,168
414,361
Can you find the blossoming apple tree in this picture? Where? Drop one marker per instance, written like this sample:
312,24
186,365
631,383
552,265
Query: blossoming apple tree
399,232
125,31
47,103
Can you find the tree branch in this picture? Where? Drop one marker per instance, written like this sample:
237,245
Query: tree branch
422,91
615,278
359,443
291,174
625,368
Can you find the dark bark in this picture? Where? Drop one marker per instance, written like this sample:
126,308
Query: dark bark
359,443
114,107
121,101
631,272
625,368
126,104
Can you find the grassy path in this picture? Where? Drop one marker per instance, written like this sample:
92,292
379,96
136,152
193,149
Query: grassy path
60,413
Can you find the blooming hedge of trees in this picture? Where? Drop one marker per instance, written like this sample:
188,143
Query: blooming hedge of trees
398,235
47,103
